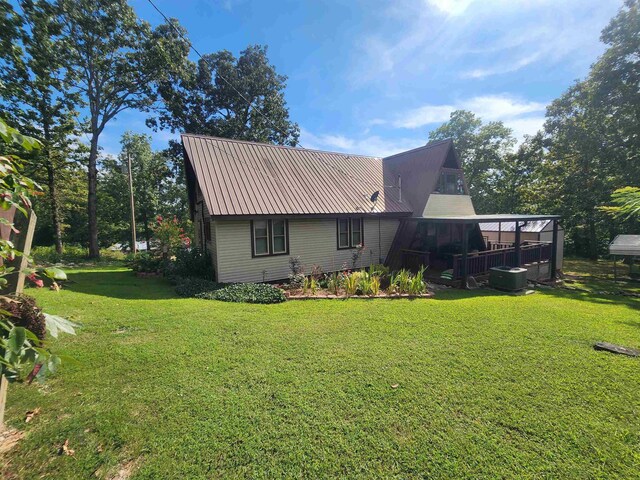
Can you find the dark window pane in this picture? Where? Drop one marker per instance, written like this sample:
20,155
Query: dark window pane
344,239
262,246
279,244
278,227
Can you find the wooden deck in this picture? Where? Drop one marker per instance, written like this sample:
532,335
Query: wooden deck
479,263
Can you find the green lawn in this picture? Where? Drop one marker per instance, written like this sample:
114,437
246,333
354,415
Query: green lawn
489,385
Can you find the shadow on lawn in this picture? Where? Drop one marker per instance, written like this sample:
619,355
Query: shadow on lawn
120,284
456,294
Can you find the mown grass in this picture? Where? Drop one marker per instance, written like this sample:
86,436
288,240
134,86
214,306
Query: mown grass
488,385
597,276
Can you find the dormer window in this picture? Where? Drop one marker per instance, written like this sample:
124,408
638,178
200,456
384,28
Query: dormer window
451,182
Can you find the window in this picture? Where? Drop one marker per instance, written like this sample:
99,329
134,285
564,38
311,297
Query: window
279,236
450,183
343,233
350,232
269,237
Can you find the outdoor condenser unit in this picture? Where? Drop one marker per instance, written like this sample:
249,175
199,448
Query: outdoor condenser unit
508,278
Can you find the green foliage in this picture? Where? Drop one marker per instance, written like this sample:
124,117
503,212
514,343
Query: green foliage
72,254
400,281
170,235
192,286
198,101
246,293
146,262
417,285
627,203
351,283
192,262
114,60
36,99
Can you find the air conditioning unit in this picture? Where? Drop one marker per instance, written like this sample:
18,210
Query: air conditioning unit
511,279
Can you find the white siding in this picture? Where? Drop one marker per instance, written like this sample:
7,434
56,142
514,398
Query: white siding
313,240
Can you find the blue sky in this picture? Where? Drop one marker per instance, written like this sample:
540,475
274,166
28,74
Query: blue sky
375,77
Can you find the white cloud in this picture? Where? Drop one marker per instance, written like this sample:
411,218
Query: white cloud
487,107
368,145
451,7
501,68
475,39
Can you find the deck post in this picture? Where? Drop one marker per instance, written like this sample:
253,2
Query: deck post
465,252
554,250
517,245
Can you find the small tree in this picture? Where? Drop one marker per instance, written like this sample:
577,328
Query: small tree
170,235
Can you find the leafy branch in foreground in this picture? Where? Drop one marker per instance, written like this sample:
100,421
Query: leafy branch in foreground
23,326
626,202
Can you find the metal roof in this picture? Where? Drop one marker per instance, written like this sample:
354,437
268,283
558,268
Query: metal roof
247,178
533,226
500,217
625,245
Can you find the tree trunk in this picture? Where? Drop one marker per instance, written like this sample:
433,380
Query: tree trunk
593,238
55,205
92,204
56,221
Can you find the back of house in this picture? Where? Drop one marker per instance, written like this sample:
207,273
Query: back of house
254,206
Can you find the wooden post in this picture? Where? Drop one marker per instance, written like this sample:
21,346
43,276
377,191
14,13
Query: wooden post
4,386
465,254
554,250
23,243
518,260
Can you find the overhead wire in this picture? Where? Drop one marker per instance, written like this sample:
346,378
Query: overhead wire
269,120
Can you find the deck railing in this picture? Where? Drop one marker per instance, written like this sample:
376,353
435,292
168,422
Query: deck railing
481,262
414,259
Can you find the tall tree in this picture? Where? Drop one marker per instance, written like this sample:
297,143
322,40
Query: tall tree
483,148
33,94
115,61
224,96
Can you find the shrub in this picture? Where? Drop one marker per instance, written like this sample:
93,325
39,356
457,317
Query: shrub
379,270
296,281
192,286
146,262
246,293
351,283
375,285
191,263
47,255
417,285
170,234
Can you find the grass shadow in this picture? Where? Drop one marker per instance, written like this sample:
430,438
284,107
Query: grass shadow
119,283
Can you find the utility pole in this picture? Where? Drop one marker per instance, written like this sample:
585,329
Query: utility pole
134,244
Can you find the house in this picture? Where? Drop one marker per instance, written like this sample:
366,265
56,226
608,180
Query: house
256,205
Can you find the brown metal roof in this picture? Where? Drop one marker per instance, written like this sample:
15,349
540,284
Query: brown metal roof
246,178
420,168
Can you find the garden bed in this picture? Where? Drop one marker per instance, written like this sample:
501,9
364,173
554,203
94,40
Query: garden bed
344,296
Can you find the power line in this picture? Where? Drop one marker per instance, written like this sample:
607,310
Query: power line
269,120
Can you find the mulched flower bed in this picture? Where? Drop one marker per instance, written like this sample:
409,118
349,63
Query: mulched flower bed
343,296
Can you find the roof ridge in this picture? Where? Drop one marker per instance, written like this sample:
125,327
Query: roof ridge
423,147
288,147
